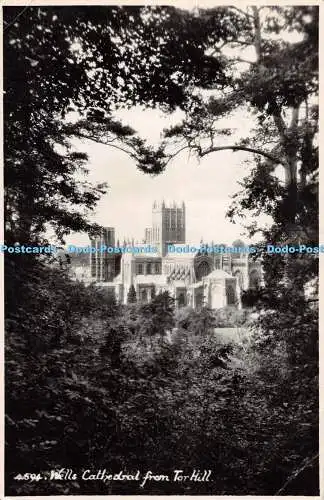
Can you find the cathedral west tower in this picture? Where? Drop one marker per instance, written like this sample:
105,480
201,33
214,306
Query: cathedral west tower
102,264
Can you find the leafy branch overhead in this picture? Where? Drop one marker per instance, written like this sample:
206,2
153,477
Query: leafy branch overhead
276,85
214,65
104,129
63,58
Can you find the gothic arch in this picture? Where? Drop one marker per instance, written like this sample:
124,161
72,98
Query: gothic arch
203,268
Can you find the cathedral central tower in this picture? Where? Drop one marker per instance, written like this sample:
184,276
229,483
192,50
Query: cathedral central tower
168,226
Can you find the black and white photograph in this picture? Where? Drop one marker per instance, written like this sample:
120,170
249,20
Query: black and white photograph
161,248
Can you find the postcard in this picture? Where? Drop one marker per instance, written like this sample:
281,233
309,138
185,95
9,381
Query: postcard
161,248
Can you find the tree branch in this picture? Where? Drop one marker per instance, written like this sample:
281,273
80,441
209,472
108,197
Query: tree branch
296,473
257,34
173,155
242,12
269,156
109,144
279,122
294,118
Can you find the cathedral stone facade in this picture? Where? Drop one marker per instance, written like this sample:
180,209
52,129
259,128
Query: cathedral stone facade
195,279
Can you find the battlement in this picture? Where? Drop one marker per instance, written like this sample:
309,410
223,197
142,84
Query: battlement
161,205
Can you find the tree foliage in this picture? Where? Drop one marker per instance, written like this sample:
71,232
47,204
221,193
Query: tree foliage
158,314
99,397
91,61
277,86
131,296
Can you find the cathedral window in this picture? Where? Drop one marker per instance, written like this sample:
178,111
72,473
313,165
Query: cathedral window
203,270
143,296
230,294
182,299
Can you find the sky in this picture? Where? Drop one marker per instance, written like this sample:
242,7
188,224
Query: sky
205,186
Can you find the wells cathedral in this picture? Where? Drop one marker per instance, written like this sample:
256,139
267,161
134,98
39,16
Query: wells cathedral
194,279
